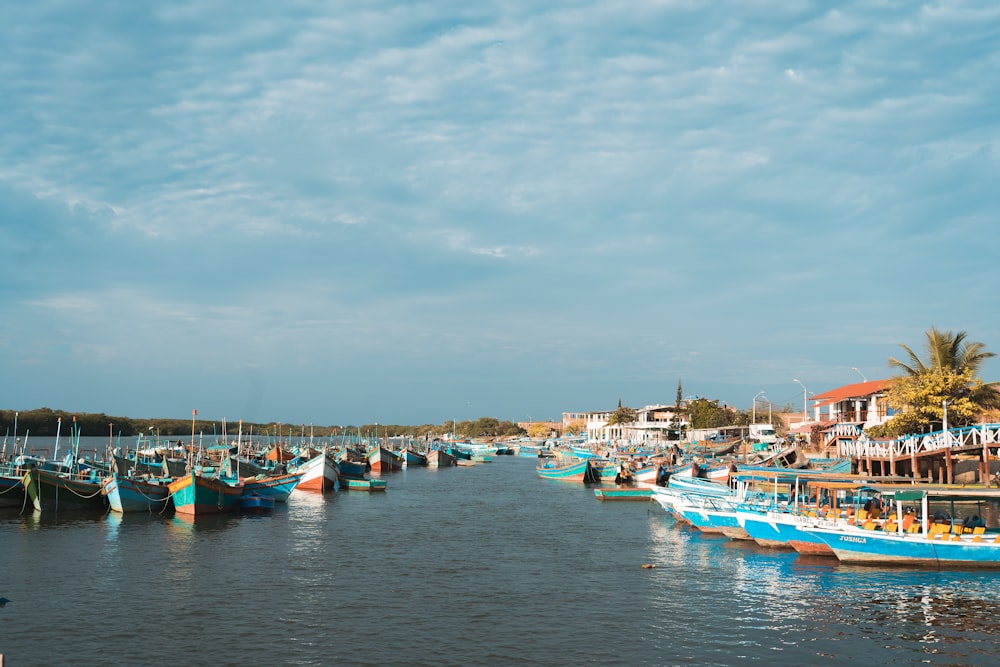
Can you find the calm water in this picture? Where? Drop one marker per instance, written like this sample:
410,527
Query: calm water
484,565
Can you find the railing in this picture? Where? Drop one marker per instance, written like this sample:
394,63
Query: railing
852,442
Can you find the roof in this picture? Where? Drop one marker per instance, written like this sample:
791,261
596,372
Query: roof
856,390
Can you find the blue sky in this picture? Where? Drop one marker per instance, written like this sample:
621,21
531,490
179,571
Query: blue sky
329,213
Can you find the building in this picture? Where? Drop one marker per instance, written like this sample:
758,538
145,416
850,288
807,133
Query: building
654,424
863,404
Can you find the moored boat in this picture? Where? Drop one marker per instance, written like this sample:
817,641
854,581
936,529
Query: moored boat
577,471
438,458
196,494
278,487
130,494
320,473
382,460
52,492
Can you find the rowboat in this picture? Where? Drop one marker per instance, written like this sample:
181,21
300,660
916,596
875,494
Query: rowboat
360,484
51,491
577,471
197,494
128,494
634,493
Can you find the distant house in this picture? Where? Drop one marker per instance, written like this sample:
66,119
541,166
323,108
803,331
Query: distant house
863,404
653,423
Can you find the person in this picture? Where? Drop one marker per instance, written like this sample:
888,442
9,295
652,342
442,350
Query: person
874,506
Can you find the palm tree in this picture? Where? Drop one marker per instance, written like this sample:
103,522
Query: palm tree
949,376
945,352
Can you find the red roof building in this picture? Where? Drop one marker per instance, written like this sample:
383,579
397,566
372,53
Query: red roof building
862,403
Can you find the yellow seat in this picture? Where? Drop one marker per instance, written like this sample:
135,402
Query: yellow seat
914,528
870,525
956,529
979,530
890,527
862,515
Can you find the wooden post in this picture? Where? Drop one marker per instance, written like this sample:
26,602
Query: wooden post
915,470
948,468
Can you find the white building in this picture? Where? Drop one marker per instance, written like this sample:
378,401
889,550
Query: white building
653,425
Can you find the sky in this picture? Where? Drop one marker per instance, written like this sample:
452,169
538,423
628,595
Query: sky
412,212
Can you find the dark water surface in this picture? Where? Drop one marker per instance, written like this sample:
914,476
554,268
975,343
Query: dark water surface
484,565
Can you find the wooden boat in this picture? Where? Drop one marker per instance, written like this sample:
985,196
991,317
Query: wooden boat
256,502
630,493
12,486
578,471
356,484
412,458
320,473
131,494
382,460
51,492
278,487
438,458
197,494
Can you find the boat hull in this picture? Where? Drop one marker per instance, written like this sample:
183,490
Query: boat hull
126,495
278,487
197,495
319,473
52,492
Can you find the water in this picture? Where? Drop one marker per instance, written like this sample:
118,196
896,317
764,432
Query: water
483,565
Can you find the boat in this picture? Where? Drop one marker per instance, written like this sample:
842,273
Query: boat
52,491
382,460
578,471
198,494
256,502
12,486
361,484
133,494
278,487
919,542
411,457
319,473
632,493
438,458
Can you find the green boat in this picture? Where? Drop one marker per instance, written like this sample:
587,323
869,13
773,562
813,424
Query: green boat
630,493
356,484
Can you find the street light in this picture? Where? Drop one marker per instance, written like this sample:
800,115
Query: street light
754,418
944,421
863,378
805,401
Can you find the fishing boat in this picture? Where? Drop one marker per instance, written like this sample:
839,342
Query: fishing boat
382,460
438,458
132,494
198,494
411,457
320,473
52,491
577,471
12,486
278,487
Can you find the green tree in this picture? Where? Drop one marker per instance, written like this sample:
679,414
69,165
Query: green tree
948,377
623,415
703,413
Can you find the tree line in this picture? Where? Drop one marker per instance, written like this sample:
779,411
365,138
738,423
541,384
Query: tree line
45,422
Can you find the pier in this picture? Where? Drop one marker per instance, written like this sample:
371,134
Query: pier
954,456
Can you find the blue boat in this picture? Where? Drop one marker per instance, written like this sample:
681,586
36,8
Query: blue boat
926,543
197,494
127,494
278,487
577,471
